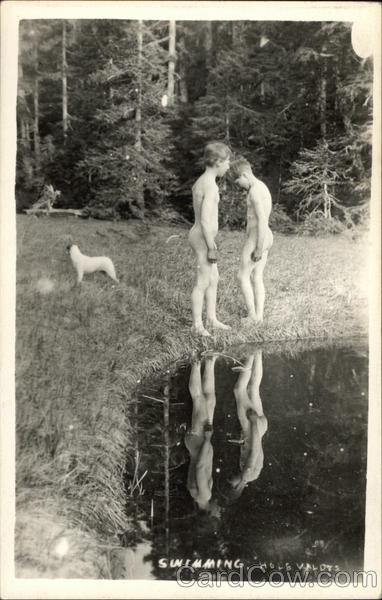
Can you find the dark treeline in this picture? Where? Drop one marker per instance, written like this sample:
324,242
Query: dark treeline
114,114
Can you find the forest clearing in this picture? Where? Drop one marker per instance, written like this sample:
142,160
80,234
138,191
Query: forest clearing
88,346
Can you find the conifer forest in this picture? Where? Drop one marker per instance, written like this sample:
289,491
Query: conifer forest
113,116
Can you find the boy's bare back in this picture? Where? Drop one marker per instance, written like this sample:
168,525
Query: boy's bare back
205,199
259,204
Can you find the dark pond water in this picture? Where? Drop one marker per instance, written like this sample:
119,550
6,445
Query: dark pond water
255,457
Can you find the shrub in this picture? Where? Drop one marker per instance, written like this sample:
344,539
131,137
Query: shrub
167,214
107,213
315,223
280,221
232,208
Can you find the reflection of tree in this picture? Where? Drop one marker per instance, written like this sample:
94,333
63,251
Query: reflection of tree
308,503
320,423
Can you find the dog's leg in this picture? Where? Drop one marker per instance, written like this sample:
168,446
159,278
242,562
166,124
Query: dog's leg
111,272
80,275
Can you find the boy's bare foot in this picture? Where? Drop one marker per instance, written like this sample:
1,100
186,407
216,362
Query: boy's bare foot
250,321
218,325
200,330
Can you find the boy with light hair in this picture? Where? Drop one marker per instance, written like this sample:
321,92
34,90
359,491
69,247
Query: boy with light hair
259,239
205,197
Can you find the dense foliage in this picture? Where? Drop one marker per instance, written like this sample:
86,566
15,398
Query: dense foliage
116,120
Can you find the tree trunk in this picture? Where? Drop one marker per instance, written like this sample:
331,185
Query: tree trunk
208,42
208,50
227,125
262,92
36,133
327,200
65,119
323,96
327,203
336,90
171,63
27,161
236,33
138,121
24,131
166,440
279,180
27,133
183,91
138,113
75,29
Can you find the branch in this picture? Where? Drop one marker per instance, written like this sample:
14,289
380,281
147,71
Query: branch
154,40
149,28
155,67
245,108
116,77
286,108
157,41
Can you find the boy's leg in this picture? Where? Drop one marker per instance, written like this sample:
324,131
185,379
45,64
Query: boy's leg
258,285
209,387
255,381
211,294
198,293
244,277
240,391
245,375
199,412
195,383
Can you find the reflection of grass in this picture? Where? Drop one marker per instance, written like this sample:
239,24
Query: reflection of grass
135,484
80,353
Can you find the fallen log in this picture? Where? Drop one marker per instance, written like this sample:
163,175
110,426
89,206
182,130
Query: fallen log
57,211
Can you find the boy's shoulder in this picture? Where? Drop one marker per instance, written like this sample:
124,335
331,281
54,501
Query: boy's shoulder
259,188
204,183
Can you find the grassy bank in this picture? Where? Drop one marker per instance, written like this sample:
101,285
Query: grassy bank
80,352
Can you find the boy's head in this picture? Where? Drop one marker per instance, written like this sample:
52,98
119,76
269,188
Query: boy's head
241,172
217,154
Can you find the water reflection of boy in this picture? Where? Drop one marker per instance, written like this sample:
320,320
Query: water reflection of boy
198,438
252,420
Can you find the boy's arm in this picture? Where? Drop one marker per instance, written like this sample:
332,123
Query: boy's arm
206,215
261,228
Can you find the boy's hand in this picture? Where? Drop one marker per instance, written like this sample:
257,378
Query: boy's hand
256,255
212,256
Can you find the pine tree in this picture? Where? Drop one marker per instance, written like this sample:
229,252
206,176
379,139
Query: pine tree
32,147
335,172
126,163
43,116
313,180
91,123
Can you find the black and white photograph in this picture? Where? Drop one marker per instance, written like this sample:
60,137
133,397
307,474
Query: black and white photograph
190,263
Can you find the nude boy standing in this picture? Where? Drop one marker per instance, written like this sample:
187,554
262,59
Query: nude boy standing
205,196
259,239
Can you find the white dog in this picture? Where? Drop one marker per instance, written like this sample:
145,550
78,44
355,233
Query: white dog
89,264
